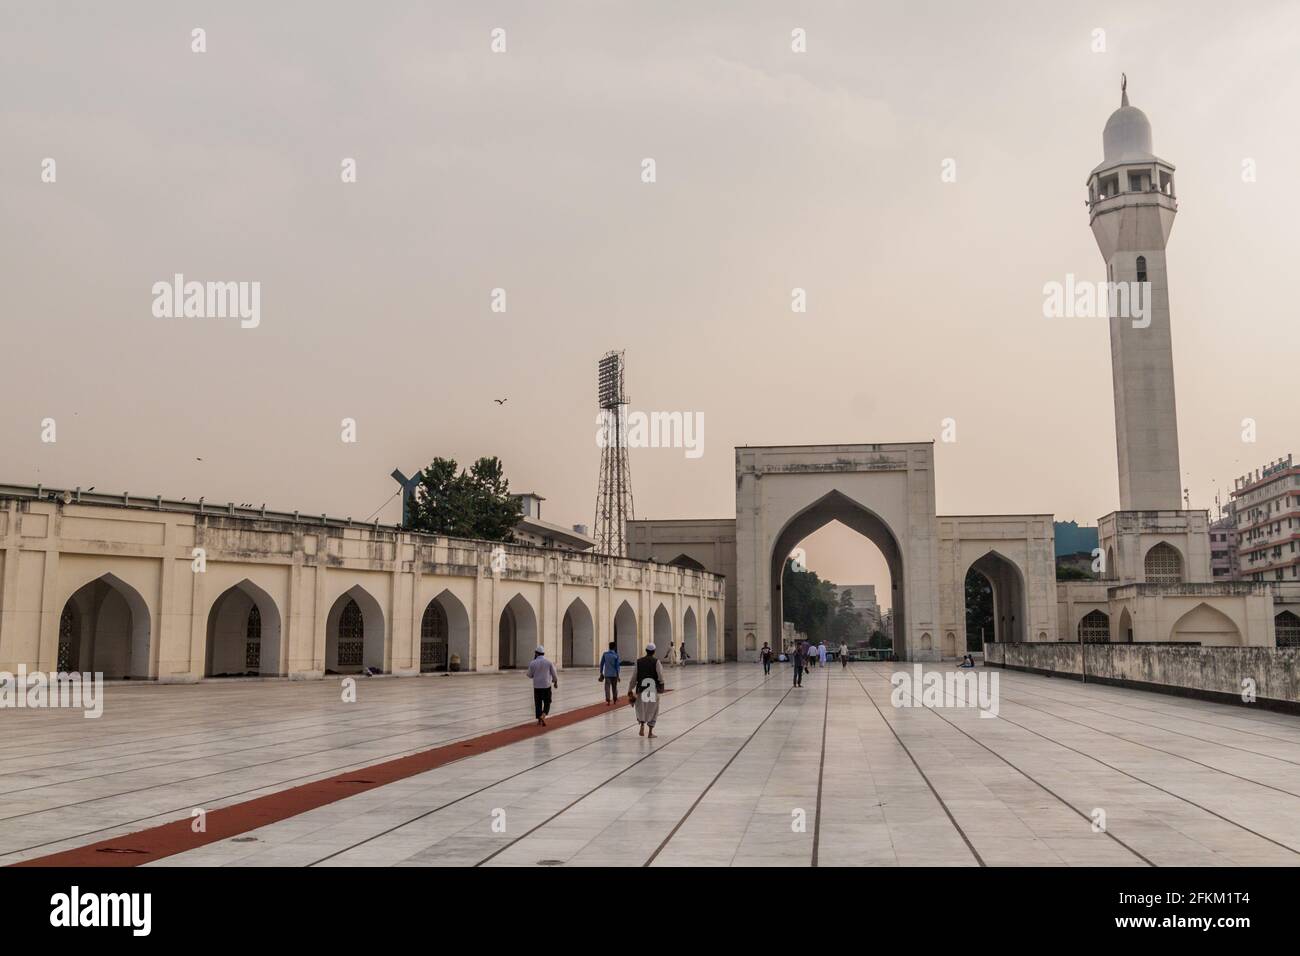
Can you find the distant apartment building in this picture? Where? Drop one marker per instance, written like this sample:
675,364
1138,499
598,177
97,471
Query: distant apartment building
863,597
1223,547
1267,510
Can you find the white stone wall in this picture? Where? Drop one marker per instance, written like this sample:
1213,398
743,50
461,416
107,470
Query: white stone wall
299,571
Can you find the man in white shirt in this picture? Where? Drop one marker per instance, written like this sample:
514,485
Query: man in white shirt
542,673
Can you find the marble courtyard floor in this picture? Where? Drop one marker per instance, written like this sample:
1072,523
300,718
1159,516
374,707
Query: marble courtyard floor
745,771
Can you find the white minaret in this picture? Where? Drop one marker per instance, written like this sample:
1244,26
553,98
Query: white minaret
1131,206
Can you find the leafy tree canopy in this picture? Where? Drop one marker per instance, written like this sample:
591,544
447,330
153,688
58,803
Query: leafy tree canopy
474,503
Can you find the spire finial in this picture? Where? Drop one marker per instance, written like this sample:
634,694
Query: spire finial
1123,89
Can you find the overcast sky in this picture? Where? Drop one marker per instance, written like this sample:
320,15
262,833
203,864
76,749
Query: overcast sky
522,170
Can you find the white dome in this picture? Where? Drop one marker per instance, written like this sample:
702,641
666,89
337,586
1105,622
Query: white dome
1127,136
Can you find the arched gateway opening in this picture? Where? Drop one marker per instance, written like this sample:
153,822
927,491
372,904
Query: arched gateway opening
104,626
995,601
838,507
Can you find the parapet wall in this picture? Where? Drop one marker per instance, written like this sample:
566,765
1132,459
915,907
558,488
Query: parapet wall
1215,673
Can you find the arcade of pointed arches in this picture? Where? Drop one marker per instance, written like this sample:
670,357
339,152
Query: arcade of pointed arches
105,626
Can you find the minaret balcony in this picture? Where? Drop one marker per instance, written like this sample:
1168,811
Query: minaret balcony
1126,200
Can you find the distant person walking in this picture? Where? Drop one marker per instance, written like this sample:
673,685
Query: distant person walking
646,687
681,661
767,659
821,653
844,654
609,664
798,657
672,652
543,676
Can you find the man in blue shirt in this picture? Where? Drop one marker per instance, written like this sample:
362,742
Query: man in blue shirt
609,664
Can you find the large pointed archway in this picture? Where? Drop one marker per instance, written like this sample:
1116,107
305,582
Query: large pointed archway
836,506
884,492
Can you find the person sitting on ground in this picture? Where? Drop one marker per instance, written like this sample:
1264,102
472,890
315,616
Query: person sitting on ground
967,661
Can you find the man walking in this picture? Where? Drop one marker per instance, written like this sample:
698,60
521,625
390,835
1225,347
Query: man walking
609,665
797,658
821,653
767,658
844,654
647,685
543,676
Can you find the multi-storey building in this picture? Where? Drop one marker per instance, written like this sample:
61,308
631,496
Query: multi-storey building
863,597
1224,563
1267,509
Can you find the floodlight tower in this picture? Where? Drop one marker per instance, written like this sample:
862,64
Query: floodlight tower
614,492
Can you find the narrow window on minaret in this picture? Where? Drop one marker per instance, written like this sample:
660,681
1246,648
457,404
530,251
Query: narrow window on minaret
1142,268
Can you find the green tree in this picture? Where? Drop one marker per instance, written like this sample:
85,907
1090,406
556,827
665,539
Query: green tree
979,610
847,624
471,503
1066,573
807,602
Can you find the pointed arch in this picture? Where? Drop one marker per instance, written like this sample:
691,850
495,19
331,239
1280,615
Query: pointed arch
690,635
354,633
711,636
516,633
108,629
662,630
1007,582
837,506
444,635
1094,627
625,632
579,635
1163,564
1207,626
243,633
1124,633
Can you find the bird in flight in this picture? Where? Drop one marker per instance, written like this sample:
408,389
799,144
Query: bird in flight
500,401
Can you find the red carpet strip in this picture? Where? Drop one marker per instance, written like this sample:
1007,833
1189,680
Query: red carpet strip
145,846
